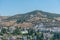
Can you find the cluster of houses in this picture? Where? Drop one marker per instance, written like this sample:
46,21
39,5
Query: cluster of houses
8,36
40,27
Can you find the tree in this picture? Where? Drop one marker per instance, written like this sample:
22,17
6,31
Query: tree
16,31
56,36
21,20
4,30
40,36
30,31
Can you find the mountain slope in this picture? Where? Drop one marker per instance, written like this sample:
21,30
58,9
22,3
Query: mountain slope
4,17
34,13
33,18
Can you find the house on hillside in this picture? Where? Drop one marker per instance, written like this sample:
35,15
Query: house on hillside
11,29
47,36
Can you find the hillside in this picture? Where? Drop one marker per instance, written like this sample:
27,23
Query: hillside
33,18
3,17
41,14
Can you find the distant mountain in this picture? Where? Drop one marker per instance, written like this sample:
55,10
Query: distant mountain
33,18
34,13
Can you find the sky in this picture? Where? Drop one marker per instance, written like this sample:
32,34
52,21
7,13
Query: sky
12,7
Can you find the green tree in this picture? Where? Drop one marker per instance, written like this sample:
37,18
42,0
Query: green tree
56,36
16,31
21,20
30,31
40,36
4,30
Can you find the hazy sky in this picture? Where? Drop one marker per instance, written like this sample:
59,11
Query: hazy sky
12,7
